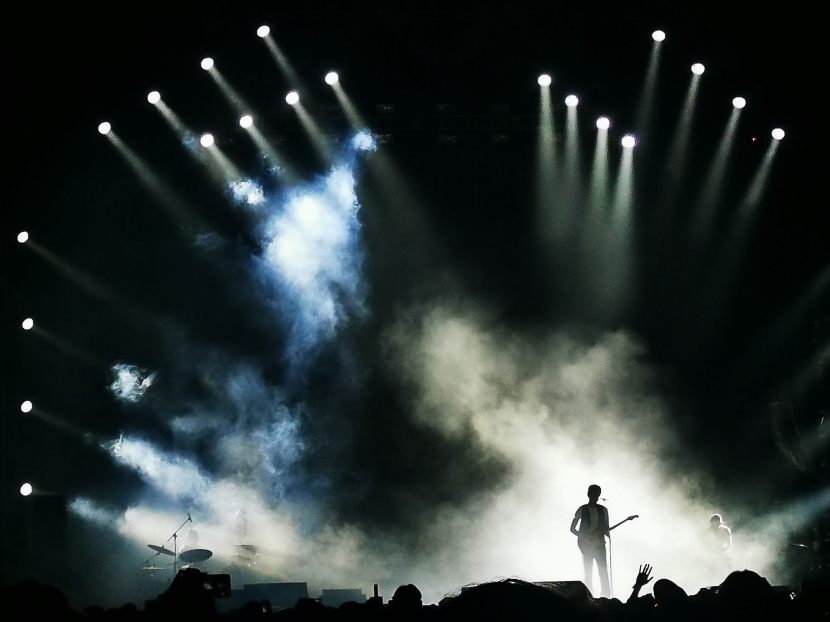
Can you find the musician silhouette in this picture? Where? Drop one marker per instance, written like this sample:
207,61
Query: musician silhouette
593,528
720,542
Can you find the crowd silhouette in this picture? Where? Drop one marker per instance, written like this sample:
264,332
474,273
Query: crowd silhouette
743,595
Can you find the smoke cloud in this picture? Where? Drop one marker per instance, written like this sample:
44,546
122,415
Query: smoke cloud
247,191
130,383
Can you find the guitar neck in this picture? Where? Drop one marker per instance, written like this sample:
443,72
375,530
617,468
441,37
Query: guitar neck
621,522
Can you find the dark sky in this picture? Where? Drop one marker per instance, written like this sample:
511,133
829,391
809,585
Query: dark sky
69,67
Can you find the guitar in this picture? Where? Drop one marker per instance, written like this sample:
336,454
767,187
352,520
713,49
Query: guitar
593,542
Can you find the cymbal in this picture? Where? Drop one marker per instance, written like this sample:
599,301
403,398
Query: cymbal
153,568
195,555
161,549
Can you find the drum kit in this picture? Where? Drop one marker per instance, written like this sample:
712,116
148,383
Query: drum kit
245,554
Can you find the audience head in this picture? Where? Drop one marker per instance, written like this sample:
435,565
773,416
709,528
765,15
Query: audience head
34,601
670,595
510,599
406,597
745,588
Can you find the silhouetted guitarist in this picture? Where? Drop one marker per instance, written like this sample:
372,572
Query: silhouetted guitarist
593,529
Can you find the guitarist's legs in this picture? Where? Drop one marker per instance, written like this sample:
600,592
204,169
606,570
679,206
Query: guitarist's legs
589,554
602,568
588,566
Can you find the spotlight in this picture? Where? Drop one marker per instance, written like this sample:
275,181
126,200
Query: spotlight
26,407
154,97
246,121
26,489
207,63
22,236
263,31
778,133
658,35
332,78
207,140
603,123
292,98
28,323
739,102
698,69
544,80
104,128
628,141
571,101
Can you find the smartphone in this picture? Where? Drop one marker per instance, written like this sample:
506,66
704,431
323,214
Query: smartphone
219,585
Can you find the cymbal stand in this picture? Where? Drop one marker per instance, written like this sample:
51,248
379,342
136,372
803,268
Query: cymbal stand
174,538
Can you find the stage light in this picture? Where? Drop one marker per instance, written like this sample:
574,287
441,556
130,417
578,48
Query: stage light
698,69
778,133
263,31
571,101
104,128
246,121
739,102
154,97
26,489
603,123
28,323
26,407
544,80
332,78
658,35
22,236
628,141
207,140
292,98
207,63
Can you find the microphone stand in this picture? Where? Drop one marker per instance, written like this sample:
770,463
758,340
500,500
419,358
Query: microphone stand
610,567
174,538
610,560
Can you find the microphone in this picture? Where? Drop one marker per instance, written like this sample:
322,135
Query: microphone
188,517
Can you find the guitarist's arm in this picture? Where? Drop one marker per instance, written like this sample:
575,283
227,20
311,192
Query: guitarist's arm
573,525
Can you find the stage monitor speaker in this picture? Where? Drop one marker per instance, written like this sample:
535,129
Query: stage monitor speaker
572,589
335,598
280,595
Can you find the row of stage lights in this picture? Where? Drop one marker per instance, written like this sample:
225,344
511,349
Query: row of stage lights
26,407
332,78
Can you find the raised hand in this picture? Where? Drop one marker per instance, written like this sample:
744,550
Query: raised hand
643,576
